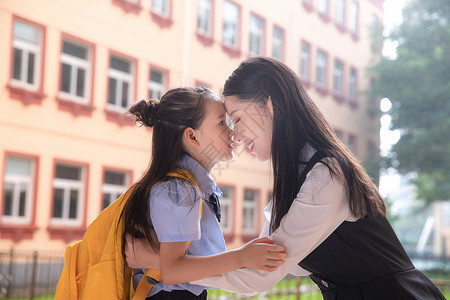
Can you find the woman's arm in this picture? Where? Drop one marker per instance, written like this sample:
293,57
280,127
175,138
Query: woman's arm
176,267
319,208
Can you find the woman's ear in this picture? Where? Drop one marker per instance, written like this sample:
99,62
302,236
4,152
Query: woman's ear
189,137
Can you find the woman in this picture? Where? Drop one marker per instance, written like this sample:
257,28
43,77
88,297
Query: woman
325,210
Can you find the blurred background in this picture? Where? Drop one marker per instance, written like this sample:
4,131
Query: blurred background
379,71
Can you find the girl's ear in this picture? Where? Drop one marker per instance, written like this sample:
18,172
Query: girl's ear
189,137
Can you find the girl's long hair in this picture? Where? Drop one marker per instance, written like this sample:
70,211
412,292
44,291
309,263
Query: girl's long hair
297,122
177,110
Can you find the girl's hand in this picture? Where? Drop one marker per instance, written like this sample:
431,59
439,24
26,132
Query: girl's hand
262,254
140,255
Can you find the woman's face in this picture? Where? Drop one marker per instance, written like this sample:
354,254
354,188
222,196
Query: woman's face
253,125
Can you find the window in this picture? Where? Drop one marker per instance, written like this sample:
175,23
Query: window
68,195
204,17
372,150
321,70
307,4
340,134
75,72
18,190
351,144
373,108
322,7
353,18
376,34
226,207
277,43
115,183
230,24
161,7
338,78
352,86
445,209
27,56
156,84
305,58
340,13
249,221
256,35
120,83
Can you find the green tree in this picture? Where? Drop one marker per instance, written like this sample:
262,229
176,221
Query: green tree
417,82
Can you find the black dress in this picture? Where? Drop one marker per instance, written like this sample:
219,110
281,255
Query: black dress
365,260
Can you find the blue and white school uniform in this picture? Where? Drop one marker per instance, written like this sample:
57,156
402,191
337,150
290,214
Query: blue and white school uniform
175,214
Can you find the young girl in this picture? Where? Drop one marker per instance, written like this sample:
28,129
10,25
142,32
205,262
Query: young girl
189,132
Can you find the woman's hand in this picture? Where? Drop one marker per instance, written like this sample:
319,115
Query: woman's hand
262,254
140,255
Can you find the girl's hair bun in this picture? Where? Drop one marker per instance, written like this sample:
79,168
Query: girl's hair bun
145,112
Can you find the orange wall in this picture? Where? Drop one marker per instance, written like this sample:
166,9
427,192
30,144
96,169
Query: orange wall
52,131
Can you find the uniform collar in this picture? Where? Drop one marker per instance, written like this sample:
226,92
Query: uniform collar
205,182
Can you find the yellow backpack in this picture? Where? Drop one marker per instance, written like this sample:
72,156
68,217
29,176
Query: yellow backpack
94,267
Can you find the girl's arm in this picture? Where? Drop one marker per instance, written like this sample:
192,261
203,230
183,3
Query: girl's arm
176,267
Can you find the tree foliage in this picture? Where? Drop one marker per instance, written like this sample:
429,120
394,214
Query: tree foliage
417,82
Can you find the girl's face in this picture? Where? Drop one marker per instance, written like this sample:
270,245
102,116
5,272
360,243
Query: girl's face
214,135
253,125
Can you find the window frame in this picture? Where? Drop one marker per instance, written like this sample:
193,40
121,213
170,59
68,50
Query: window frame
324,12
353,87
237,30
279,44
67,185
322,87
209,21
78,63
259,33
307,5
37,50
339,95
163,14
229,218
115,190
254,206
151,84
340,24
307,67
17,180
353,25
339,134
352,143
121,77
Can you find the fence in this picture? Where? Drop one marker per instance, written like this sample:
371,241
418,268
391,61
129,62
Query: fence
31,275
28,274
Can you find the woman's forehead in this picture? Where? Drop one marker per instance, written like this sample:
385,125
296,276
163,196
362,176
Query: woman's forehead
234,105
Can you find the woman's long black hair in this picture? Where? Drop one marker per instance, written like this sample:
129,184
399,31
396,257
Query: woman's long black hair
297,122
177,110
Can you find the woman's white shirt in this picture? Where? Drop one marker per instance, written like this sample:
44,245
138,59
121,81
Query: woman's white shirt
319,208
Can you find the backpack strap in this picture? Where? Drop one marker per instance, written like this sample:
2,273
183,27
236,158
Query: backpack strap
151,276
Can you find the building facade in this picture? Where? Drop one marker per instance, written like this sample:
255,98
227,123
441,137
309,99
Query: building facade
69,69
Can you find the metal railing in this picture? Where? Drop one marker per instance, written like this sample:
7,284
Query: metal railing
29,274
26,274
